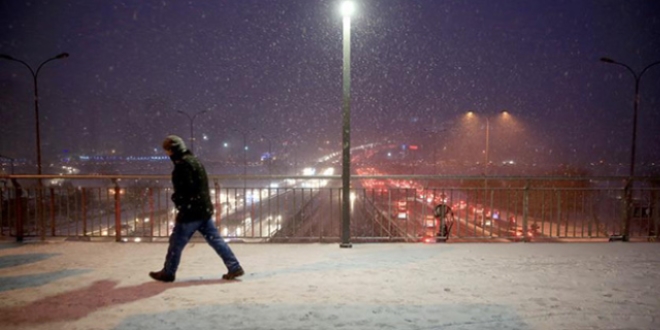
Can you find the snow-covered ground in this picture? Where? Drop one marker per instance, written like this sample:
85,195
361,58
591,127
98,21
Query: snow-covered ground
104,285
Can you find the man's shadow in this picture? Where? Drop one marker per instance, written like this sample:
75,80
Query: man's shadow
76,304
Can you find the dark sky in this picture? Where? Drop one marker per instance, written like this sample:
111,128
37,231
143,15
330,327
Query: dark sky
275,67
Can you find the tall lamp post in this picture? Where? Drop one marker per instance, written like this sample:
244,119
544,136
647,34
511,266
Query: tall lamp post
433,131
192,134
470,114
635,105
245,149
628,188
35,74
270,153
347,9
486,150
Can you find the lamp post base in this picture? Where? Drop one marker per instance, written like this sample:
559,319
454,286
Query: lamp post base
619,238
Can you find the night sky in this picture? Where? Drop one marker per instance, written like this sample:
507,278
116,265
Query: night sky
273,67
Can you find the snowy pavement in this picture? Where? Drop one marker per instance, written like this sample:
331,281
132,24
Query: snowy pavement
104,285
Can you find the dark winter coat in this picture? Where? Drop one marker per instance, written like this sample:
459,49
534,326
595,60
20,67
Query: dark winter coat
191,188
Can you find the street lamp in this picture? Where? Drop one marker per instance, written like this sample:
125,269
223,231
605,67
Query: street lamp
245,149
433,131
635,105
471,114
347,9
192,135
270,153
628,188
36,96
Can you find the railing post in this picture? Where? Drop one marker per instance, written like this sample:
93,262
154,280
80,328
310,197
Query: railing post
390,216
629,210
117,212
624,234
52,211
218,212
84,211
18,195
491,197
655,215
558,194
525,211
252,210
39,207
151,211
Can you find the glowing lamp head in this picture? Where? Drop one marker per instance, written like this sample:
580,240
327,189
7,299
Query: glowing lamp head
347,8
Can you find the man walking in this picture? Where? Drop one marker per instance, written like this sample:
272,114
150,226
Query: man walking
192,200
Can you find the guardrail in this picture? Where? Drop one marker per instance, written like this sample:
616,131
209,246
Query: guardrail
273,208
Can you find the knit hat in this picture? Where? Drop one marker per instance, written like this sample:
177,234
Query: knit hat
174,144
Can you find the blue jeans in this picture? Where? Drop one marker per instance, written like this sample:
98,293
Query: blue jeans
182,233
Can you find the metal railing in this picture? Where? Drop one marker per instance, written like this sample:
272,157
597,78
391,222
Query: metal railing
303,208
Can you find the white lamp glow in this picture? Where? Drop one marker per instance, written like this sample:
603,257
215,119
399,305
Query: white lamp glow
347,8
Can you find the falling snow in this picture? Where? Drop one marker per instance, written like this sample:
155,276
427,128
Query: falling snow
276,67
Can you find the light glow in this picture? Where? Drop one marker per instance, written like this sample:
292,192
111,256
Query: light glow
347,8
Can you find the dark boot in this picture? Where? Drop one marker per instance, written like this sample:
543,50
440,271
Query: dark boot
232,275
162,276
